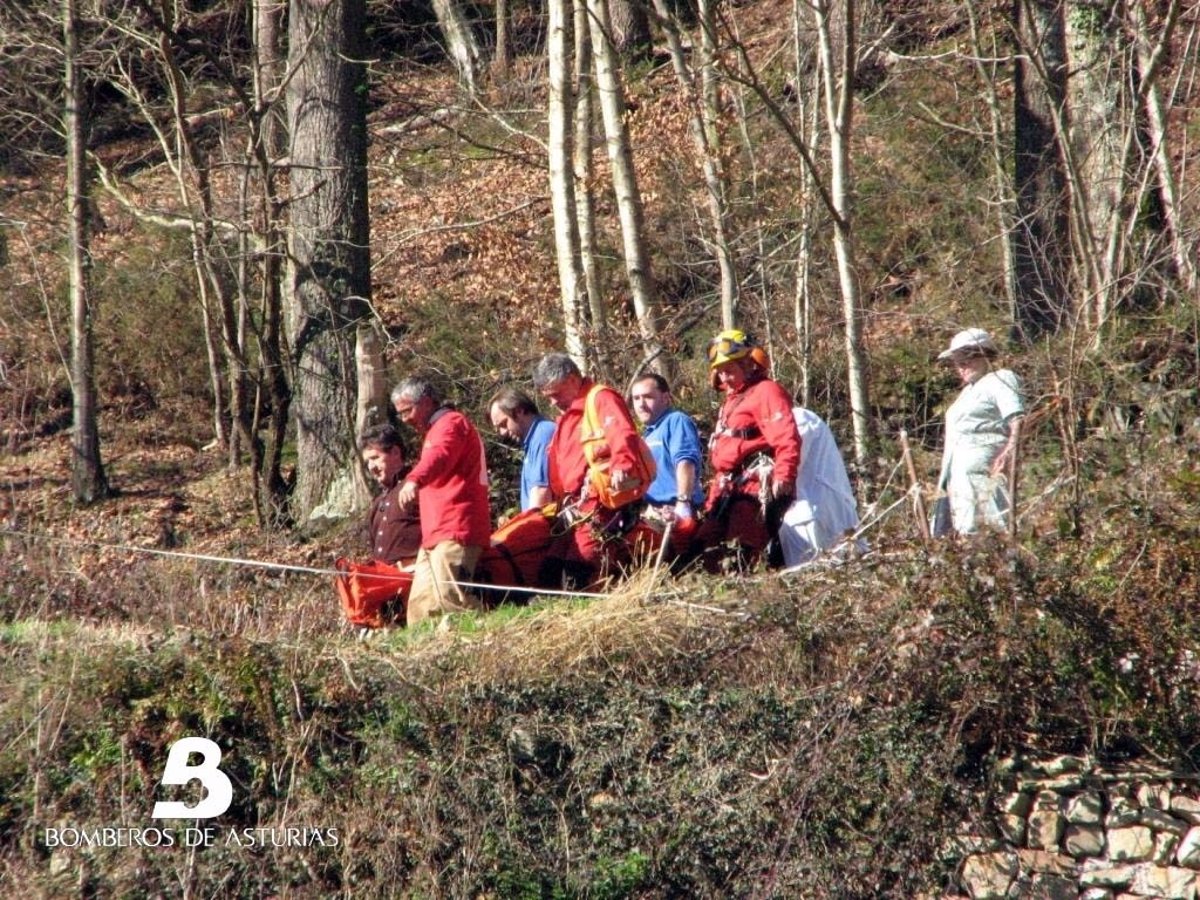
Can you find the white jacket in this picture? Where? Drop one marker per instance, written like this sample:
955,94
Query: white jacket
824,508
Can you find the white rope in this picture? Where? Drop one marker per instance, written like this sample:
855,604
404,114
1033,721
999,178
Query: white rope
285,567
549,592
153,551
311,570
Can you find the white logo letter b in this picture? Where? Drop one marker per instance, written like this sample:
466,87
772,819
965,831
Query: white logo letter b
177,771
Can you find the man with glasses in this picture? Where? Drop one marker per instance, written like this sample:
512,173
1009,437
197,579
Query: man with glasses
594,546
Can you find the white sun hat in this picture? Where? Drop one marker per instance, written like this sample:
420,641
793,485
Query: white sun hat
974,340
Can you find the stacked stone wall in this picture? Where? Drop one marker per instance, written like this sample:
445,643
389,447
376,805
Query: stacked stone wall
1070,830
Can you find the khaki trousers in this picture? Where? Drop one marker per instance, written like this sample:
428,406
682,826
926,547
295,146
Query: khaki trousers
435,590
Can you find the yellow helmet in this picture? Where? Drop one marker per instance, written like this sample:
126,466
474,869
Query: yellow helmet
728,346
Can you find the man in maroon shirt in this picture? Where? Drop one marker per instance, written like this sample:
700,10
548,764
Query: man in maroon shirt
393,534
449,485
374,594
595,545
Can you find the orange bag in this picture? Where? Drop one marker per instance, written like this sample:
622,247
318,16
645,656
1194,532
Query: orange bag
517,549
364,589
596,449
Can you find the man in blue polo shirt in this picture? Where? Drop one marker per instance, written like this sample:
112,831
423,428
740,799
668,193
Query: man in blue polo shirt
516,418
674,441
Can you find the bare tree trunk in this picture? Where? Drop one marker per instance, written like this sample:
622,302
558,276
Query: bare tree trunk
1102,125
625,187
461,46
88,481
838,78
266,146
502,60
372,407
330,276
629,27
986,61
223,435
237,331
585,210
750,153
1149,59
700,90
274,387
808,130
715,179
1041,244
562,182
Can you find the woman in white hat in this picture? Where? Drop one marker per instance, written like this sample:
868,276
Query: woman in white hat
980,437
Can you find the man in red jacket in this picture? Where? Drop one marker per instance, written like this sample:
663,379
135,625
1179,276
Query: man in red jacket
754,454
449,483
595,544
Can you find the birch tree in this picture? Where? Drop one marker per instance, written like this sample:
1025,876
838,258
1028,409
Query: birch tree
625,186
461,46
808,131
699,89
585,208
562,182
838,82
832,186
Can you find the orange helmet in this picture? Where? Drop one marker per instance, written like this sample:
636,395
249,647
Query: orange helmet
728,346
735,344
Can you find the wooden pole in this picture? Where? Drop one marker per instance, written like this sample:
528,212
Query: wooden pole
914,487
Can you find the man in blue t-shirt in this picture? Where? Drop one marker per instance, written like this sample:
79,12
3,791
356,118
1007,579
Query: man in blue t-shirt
516,419
672,437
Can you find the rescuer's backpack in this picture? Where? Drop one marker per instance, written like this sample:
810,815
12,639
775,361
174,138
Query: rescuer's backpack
598,453
517,549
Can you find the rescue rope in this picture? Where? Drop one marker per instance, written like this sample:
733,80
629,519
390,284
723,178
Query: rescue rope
283,567
335,573
154,551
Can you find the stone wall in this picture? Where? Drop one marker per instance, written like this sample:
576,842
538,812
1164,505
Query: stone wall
1069,830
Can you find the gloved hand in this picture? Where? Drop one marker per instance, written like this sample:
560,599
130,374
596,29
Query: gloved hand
568,516
781,490
683,510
